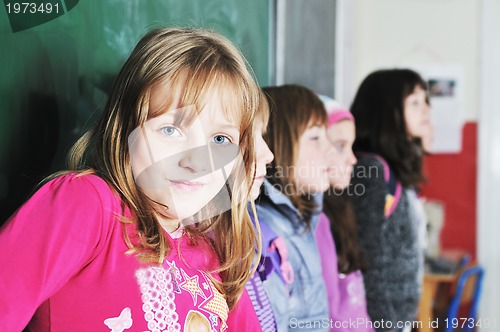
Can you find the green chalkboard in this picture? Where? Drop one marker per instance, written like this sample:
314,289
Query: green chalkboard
56,71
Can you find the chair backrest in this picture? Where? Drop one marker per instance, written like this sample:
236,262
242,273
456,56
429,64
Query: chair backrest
468,290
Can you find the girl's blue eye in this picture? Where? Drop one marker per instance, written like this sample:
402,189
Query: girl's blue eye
170,131
221,139
339,147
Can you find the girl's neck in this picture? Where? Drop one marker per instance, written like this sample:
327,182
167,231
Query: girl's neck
169,225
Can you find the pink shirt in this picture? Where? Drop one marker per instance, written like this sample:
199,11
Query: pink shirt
346,293
63,262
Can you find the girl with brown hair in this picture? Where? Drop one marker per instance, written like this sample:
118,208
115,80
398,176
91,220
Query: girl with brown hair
392,121
291,201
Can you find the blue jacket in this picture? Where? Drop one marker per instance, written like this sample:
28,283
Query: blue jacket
303,304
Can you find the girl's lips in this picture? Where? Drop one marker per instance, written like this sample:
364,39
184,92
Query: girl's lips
186,185
260,178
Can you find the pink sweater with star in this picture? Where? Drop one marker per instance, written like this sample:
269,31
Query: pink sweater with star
63,267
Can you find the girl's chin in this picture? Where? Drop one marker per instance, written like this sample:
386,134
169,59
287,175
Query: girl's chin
254,192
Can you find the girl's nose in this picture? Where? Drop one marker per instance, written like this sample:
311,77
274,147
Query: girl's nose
353,160
263,153
196,159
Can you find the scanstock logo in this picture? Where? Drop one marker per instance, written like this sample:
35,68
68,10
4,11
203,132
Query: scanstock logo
26,14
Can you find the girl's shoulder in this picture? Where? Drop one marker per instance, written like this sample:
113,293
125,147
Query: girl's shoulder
79,185
84,179
372,170
373,160
371,167
74,193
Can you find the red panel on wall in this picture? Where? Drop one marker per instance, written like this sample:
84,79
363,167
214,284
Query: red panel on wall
452,179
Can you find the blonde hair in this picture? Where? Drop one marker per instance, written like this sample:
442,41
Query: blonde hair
294,108
194,63
196,322
263,112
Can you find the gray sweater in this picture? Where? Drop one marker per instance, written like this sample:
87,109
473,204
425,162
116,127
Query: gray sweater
390,246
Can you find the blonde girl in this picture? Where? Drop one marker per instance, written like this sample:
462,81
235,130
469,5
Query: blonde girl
139,233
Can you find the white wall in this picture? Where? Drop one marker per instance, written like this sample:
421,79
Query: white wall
489,161
390,33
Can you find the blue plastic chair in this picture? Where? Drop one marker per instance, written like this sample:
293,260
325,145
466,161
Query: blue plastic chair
476,272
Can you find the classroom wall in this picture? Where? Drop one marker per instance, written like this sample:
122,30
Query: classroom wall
305,44
452,181
390,33
55,76
489,159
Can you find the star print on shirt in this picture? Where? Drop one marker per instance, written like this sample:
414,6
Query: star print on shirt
215,303
190,284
